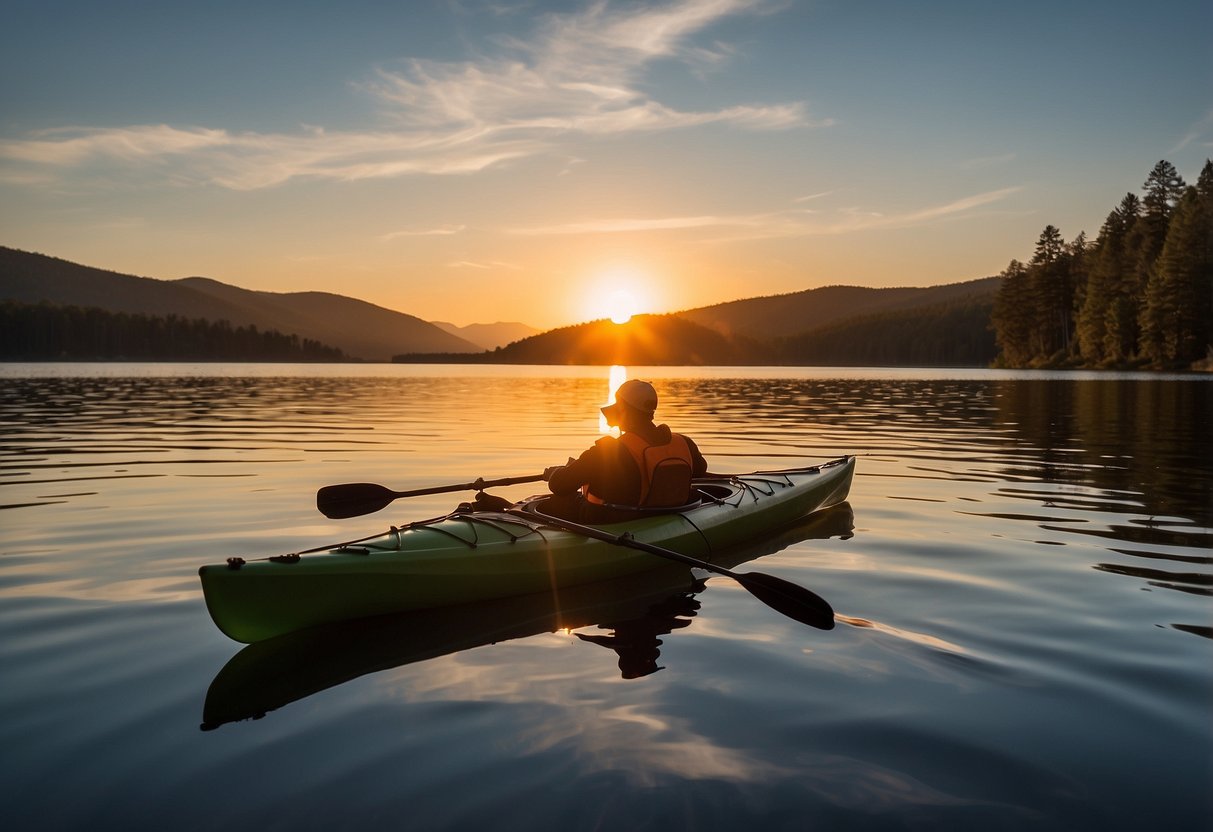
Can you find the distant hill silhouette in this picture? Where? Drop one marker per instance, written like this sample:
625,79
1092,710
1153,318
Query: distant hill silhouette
796,313
645,339
360,329
955,334
838,325
843,325
489,336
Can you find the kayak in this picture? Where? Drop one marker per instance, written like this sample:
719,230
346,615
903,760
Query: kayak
268,675
471,556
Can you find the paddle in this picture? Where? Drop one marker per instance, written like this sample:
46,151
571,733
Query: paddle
791,599
357,498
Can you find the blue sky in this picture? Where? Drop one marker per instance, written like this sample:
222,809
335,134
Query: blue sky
479,161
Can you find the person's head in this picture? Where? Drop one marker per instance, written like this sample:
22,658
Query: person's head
635,402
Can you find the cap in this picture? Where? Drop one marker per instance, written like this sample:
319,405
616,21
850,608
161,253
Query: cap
638,395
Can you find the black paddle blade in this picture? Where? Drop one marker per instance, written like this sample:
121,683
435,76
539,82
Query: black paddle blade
354,499
791,599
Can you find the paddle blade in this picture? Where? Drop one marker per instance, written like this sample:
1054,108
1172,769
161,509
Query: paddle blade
354,499
791,599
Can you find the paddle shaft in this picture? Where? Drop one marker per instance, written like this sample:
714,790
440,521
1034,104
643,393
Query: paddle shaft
358,498
791,599
479,485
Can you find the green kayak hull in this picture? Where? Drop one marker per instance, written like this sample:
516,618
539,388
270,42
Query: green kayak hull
477,556
270,674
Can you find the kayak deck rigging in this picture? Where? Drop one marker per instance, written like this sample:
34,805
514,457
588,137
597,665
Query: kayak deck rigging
744,485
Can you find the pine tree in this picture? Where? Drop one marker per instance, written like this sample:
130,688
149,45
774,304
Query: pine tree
1105,283
1164,187
1077,261
1179,298
1013,317
1052,294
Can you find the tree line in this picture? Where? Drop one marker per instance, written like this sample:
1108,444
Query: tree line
1141,294
48,332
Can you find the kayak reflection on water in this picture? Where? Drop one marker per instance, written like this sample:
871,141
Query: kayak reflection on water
637,608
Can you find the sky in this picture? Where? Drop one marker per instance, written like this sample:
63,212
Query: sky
544,162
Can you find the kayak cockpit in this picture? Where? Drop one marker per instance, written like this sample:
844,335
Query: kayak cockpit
547,506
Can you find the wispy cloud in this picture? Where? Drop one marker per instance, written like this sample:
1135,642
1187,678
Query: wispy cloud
811,197
578,75
1199,132
960,206
615,226
491,264
789,223
247,161
442,231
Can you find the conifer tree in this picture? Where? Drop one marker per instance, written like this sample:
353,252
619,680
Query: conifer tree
1163,189
1013,317
1077,260
1144,289
1179,298
1052,294
1105,283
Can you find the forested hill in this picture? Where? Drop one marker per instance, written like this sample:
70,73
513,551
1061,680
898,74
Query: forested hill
954,334
930,326
50,332
644,340
796,313
359,329
951,334
904,326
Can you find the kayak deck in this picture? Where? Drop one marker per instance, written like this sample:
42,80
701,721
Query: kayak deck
475,556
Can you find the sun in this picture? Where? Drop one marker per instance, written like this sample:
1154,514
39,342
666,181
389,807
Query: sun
619,294
621,306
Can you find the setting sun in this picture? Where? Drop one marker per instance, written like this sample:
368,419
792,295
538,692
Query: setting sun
618,293
621,306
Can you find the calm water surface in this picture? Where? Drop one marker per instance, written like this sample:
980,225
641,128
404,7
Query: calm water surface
1022,578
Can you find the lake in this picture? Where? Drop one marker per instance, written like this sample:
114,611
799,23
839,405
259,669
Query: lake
1022,578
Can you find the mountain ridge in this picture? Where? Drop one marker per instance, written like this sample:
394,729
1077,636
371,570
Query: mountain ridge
795,313
362,330
490,336
766,329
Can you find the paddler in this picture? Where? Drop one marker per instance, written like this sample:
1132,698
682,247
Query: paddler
647,467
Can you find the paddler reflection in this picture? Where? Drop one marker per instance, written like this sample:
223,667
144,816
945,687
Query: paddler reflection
636,640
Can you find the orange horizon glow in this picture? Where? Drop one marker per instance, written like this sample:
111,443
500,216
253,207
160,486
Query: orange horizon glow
480,174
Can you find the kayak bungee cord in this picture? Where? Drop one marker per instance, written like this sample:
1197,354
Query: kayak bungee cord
747,485
361,546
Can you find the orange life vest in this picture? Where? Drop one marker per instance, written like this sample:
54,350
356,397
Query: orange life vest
665,471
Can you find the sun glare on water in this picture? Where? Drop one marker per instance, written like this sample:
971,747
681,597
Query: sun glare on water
618,375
